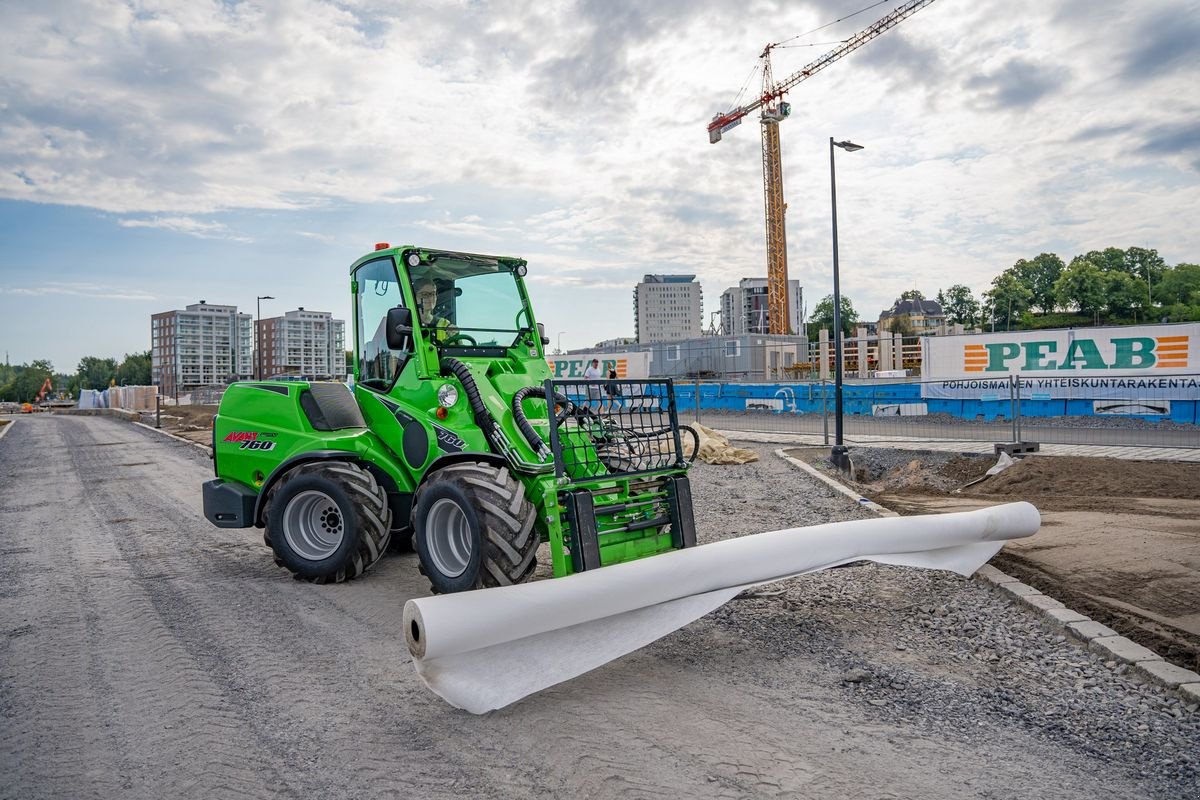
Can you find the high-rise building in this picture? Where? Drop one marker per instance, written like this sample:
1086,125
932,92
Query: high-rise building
667,307
302,344
744,307
202,345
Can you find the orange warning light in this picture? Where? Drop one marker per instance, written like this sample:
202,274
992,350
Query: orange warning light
382,245
441,413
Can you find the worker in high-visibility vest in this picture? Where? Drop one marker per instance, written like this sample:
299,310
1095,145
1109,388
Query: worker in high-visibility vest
427,296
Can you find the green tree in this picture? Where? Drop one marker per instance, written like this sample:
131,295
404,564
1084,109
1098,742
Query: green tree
822,316
912,294
1007,299
1123,293
901,324
960,305
1179,286
26,382
1081,286
134,370
96,373
1110,259
1038,275
1147,266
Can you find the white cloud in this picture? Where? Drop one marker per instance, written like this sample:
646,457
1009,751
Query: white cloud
92,290
188,225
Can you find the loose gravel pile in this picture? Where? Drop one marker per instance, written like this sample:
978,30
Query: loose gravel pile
947,654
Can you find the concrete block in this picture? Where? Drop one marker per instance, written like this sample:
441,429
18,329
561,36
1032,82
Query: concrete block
1018,589
1190,692
1167,674
1122,649
1063,616
1041,602
988,572
1090,629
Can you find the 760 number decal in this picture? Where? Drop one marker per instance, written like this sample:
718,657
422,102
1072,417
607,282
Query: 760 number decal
250,440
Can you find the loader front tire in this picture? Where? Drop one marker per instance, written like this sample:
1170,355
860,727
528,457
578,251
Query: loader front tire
327,521
473,528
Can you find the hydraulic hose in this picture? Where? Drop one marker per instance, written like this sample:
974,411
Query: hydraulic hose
531,435
483,417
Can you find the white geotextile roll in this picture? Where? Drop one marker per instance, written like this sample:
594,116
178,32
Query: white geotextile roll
485,649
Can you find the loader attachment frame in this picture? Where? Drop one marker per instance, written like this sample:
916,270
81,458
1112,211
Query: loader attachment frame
620,472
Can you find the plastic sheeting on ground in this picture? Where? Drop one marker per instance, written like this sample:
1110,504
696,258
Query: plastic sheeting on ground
715,448
485,649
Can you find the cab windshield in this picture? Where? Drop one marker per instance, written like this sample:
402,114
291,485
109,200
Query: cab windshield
468,303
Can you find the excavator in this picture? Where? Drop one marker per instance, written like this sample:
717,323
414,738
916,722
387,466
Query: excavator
47,388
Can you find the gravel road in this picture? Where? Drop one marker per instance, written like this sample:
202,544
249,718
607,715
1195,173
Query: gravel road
145,654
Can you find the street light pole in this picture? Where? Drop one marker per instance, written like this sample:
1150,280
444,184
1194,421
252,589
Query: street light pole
839,455
258,335
560,333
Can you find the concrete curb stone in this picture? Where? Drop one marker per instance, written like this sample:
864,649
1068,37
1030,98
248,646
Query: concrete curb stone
1122,649
1019,590
203,447
6,428
1167,674
1090,629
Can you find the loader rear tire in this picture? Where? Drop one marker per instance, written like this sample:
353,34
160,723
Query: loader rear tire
327,521
473,528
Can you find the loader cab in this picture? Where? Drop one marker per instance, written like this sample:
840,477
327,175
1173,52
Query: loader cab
457,304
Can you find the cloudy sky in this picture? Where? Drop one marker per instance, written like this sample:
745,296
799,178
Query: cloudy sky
156,153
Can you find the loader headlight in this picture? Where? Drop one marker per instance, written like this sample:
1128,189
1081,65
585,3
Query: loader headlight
447,395
521,270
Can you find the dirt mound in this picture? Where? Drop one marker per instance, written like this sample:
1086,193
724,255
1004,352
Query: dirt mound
1068,476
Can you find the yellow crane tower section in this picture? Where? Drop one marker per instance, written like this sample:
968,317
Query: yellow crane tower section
774,111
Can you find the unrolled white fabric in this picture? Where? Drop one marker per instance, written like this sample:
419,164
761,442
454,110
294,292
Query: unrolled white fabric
483,650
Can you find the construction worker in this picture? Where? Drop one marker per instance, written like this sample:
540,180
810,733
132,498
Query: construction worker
427,298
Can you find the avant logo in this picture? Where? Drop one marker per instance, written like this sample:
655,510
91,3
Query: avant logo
1134,352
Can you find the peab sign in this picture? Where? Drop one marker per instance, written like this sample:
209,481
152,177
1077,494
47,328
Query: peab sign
1132,362
627,365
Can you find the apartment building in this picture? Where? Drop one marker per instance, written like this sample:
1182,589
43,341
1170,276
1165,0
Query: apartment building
201,345
667,307
744,307
302,344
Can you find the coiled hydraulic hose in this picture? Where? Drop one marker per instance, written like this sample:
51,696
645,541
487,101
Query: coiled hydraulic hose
483,417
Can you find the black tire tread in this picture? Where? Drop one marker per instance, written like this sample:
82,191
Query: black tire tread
510,541
373,516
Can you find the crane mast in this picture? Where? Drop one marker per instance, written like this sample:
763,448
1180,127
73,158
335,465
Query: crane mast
774,111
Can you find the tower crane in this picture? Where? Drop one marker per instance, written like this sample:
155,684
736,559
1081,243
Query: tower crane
774,111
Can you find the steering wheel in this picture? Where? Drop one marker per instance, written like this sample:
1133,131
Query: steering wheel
454,338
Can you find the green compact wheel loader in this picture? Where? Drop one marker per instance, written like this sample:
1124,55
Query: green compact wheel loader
453,438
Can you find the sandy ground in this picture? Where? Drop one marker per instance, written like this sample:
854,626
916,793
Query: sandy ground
146,654
1120,540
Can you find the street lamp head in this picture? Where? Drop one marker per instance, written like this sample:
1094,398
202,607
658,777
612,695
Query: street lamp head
848,146
265,297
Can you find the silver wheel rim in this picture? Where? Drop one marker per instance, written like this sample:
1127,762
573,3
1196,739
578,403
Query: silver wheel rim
448,536
313,525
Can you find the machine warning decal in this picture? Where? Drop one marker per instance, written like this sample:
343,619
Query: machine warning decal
449,441
251,440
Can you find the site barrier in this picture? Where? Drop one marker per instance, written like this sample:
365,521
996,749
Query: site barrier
1129,410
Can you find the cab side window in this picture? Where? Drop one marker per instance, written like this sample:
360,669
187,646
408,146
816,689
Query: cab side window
378,291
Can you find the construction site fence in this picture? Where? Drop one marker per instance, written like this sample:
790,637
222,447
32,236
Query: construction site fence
1137,412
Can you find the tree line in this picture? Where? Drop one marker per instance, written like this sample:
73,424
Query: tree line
21,383
1109,286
